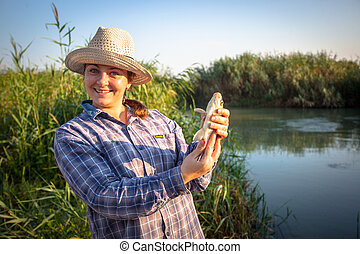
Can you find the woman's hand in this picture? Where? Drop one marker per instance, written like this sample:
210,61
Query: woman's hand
192,168
219,121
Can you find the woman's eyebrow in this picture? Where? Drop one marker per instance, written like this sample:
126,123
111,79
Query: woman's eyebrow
121,71
114,68
93,65
111,68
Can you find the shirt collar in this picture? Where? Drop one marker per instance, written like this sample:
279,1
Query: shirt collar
94,112
90,109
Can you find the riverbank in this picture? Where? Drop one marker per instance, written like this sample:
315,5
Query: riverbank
282,80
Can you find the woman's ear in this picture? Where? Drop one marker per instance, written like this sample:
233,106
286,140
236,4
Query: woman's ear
130,77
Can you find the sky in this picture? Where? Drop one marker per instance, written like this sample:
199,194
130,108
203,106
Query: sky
181,34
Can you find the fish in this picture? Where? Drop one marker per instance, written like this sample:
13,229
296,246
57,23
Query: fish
205,132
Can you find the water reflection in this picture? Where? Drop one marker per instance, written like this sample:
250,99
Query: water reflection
308,160
294,130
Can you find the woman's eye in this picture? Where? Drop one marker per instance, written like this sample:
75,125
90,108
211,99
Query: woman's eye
93,71
114,73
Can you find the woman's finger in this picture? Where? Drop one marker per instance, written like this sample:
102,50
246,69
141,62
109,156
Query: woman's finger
217,149
209,146
222,134
220,119
223,111
203,116
217,126
201,145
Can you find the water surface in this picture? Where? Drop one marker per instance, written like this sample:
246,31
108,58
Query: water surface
308,161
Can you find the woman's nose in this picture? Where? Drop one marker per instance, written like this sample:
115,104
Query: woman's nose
104,79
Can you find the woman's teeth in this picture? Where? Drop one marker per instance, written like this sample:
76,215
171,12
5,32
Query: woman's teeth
102,91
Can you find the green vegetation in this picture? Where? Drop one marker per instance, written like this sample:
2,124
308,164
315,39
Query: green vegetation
292,80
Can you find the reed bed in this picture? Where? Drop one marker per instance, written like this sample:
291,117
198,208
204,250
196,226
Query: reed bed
284,80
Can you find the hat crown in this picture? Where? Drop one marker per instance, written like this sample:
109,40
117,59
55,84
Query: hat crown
114,40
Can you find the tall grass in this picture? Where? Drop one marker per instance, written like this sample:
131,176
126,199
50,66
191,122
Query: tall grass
31,109
290,80
64,36
34,210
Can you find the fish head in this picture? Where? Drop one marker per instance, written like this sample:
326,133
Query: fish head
215,102
218,101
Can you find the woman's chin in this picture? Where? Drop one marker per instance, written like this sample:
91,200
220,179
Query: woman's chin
101,103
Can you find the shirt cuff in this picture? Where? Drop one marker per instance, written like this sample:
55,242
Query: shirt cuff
173,182
191,147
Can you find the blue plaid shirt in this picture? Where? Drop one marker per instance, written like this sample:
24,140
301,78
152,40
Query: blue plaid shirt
129,175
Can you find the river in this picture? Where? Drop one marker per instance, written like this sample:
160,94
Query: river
306,160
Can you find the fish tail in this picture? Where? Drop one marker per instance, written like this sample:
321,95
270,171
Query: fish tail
199,135
198,158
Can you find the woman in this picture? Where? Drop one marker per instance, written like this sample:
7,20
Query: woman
129,164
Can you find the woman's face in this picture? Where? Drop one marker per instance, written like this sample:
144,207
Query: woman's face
105,85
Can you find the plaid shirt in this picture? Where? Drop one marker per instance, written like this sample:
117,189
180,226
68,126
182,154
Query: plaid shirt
129,175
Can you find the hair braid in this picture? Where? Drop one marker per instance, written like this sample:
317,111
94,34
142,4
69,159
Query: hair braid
140,110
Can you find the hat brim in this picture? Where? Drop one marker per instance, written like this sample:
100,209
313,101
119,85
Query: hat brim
77,59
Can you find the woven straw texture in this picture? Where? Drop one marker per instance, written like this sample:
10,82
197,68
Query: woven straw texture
109,46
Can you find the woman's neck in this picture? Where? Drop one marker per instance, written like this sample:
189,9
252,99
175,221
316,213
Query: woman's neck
119,114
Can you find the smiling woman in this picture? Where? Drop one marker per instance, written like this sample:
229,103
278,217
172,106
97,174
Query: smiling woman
106,87
135,172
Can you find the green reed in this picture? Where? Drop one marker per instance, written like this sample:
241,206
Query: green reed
41,210
64,36
290,80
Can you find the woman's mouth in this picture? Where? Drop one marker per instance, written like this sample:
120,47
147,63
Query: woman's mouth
102,91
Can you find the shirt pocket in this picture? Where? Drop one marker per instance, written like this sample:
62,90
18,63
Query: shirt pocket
166,150
166,141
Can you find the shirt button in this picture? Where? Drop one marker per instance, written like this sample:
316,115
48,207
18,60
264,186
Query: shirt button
168,233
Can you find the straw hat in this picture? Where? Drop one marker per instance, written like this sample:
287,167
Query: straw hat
110,46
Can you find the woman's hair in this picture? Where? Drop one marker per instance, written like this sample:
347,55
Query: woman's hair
139,109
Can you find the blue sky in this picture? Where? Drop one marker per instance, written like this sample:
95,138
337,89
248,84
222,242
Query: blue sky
182,33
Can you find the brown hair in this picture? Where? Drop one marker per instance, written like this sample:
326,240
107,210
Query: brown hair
139,109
